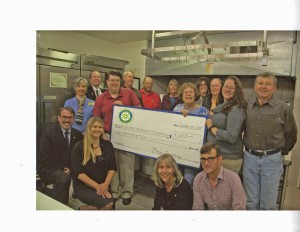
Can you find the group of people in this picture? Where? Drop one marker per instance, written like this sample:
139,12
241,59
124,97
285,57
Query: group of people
214,188
243,138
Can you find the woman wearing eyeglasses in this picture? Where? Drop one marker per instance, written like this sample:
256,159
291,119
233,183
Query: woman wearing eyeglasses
202,85
189,95
172,190
225,125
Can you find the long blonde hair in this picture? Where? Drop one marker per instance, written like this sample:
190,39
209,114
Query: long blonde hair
88,151
170,161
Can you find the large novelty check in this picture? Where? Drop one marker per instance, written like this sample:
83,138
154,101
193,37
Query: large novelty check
153,133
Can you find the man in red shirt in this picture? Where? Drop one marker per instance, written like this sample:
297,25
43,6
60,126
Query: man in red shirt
122,182
150,99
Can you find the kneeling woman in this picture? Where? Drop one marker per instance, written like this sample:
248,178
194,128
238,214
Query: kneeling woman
93,167
173,192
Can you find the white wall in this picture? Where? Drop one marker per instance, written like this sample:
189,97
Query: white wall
78,43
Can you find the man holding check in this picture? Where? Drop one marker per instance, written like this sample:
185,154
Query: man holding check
122,182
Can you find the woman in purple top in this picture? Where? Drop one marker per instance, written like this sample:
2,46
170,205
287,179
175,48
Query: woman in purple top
189,95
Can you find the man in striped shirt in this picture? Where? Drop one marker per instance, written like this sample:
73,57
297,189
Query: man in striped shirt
217,188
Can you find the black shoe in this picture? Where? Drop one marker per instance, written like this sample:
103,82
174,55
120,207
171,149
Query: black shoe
41,186
74,195
126,201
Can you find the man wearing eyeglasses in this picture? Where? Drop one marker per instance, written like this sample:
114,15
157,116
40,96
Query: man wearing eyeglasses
54,159
123,180
217,188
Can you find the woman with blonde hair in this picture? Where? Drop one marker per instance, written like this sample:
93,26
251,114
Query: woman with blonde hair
171,99
93,167
172,190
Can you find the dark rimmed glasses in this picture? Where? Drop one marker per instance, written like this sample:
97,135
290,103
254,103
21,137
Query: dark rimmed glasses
65,117
209,159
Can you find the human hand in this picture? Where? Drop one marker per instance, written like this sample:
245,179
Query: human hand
210,113
106,195
67,170
184,112
209,123
102,188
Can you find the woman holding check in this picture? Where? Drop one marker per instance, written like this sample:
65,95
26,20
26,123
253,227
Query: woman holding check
225,125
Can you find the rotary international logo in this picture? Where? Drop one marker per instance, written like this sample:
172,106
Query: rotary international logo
125,116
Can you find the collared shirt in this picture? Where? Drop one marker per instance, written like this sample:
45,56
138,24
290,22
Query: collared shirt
270,126
227,194
137,93
104,105
87,111
95,90
64,131
150,100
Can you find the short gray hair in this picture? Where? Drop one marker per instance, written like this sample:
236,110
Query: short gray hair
77,81
267,74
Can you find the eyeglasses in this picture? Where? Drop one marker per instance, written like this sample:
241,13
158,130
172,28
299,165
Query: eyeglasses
209,159
65,117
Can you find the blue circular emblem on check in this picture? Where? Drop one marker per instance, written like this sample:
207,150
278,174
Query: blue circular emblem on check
125,116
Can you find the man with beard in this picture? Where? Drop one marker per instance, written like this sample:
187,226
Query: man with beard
54,161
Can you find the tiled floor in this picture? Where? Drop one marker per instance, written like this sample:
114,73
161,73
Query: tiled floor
144,192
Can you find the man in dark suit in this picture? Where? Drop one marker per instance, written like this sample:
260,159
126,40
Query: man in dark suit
54,161
94,90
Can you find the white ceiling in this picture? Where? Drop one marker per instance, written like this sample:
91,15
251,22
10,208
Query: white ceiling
118,37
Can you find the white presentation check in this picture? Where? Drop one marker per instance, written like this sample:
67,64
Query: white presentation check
153,133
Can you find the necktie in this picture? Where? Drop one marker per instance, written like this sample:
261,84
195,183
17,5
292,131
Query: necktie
67,139
97,92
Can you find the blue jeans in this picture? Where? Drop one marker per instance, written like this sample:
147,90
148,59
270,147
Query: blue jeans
261,176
